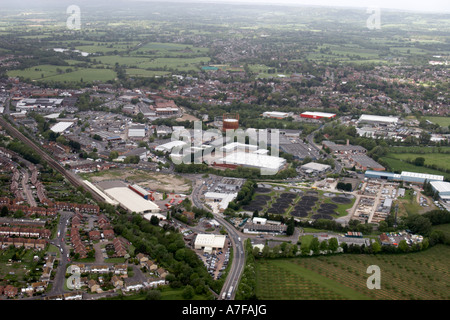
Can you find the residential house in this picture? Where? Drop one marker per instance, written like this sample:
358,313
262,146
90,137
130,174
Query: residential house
94,235
10,291
93,285
162,272
150,265
108,234
121,269
117,282
100,269
132,285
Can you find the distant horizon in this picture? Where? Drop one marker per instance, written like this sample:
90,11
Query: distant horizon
431,6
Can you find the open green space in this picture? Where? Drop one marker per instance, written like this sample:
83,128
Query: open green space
440,160
398,165
64,74
420,275
442,121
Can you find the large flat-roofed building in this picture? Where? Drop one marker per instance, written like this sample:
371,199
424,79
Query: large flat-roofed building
238,146
275,114
137,132
131,201
317,167
367,118
317,115
416,177
254,160
222,198
343,148
38,104
61,127
442,188
365,162
384,175
406,176
167,147
209,242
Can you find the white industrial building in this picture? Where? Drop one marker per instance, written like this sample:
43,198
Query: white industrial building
253,160
223,199
101,193
416,177
275,114
378,119
315,167
38,104
209,242
236,146
442,188
131,201
167,147
61,126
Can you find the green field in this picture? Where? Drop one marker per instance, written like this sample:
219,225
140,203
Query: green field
50,73
442,121
421,275
398,165
440,160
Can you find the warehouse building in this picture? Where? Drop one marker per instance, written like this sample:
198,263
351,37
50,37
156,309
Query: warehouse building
209,242
365,162
131,201
371,174
415,177
167,147
61,126
137,132
275,114
412,177
317,115
366,118
315,167
269,164
442,188
223,199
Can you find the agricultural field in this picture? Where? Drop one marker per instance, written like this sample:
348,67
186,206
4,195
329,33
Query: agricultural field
63,74
411,276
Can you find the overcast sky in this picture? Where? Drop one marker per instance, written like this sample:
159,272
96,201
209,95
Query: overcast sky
415,5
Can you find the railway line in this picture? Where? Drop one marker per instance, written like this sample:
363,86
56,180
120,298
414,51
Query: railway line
71,177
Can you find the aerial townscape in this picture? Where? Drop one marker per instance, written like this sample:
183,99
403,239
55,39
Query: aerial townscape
187,150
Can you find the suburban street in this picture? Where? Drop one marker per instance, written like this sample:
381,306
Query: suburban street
58,282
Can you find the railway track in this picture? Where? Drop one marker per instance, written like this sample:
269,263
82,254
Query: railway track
74,180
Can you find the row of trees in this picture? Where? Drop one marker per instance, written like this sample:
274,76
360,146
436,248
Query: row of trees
167,248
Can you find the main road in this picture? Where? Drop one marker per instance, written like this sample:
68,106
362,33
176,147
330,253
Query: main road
236,239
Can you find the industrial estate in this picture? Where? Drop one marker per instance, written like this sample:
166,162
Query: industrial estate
223,158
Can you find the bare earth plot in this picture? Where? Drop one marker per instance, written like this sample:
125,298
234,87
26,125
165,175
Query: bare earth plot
151,180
